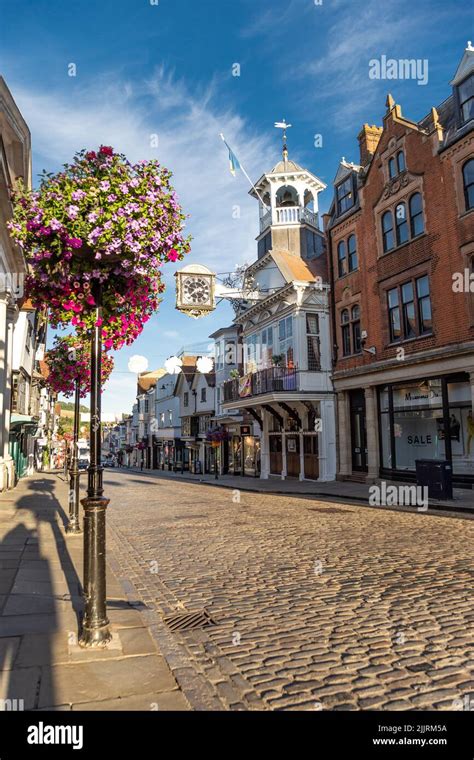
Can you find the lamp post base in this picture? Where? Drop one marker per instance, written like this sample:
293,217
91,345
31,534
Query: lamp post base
73,529
95,637
95,625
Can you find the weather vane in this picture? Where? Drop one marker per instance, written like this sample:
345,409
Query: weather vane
284,126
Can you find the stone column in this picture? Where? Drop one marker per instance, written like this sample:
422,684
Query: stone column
284,470
301,476
3,384
265,446
372,427
327,439
8,461
471,380
344,431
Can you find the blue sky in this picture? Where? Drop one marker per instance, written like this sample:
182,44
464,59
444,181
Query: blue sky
166,69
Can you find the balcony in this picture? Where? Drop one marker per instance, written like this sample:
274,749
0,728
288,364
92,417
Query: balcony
271,380
288,215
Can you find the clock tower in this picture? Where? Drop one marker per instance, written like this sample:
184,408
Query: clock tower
288,209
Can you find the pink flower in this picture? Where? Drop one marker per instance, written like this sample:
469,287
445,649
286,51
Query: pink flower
173,255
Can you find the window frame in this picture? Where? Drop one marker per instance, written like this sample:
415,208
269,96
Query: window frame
467,186
350,194
462,103
413,216
399,225
387,214
342,258
352,254
400,307
349,321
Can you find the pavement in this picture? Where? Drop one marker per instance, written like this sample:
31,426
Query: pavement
297,603
42,666
306,604
463,498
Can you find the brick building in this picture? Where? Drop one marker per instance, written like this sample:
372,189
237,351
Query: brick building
401,225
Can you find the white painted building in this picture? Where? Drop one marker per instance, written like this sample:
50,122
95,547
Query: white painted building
15,162
285,384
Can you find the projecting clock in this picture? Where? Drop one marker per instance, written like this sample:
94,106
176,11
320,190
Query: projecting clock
195,290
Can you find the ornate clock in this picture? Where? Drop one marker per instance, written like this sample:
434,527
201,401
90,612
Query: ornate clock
195,291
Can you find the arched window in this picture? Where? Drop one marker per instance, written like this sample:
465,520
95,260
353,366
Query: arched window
355,319
401,161
401,222
341,258
387,231
352,253
417,224
346,332
468,181
392,168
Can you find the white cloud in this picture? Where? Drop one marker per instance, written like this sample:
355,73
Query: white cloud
187,125
126,116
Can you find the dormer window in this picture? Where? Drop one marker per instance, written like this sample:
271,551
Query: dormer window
345,196
466,99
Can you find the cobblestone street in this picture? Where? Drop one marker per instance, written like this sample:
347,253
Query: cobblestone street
316,605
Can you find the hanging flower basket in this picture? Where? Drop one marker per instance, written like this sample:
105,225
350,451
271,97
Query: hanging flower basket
69,361
216,436
106,222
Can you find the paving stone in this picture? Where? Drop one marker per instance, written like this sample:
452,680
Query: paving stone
92,681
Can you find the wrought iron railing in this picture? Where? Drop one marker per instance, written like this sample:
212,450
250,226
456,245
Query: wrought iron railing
269,380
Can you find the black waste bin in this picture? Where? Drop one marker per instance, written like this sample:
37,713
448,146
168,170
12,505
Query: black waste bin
437,475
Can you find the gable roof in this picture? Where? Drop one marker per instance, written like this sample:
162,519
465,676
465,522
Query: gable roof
147,380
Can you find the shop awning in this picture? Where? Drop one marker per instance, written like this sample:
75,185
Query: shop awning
23,422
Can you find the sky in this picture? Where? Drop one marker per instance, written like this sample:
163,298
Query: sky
166,68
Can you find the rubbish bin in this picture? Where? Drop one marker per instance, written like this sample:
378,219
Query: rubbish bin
437,475
197,467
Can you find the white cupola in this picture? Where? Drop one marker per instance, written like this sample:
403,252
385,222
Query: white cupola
288,200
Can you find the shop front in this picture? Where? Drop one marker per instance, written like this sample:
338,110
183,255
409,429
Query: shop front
244,453
430,418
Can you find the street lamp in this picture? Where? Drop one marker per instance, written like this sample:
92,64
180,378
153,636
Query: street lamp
95,625
73,525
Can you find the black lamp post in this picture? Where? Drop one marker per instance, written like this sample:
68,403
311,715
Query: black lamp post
95,625
74,525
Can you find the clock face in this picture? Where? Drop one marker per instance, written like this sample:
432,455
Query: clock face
196,290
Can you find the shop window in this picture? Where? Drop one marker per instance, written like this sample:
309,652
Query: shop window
387,232
468,183
312,342
418,423
341,258
401,223
466,99
417,225
352,253
461,427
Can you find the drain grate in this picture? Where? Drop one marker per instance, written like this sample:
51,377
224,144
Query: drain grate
185,621
330,510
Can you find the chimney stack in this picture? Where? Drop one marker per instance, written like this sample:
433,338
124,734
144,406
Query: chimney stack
368,137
